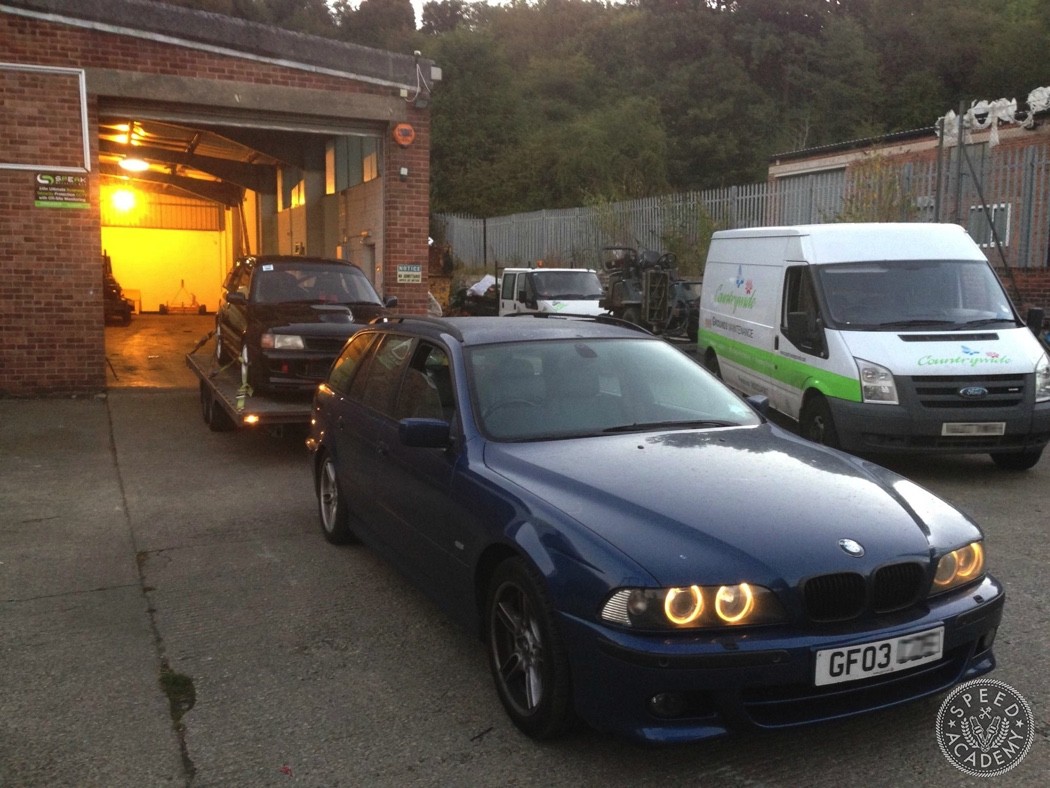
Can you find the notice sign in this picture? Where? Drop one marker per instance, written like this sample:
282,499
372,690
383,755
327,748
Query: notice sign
409,274
56,190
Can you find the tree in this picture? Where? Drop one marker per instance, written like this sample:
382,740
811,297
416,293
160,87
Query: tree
383,24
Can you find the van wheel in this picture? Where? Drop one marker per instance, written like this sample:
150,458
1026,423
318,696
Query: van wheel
711,362
816,423
1017,461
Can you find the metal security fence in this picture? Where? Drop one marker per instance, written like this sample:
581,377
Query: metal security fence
992,191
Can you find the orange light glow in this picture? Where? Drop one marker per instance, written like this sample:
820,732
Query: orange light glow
123,200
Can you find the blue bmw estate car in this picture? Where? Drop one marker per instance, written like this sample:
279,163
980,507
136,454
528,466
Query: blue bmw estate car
636,545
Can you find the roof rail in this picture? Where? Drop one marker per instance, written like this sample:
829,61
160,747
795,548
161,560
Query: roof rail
607,319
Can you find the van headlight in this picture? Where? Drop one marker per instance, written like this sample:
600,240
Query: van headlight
1042,380
876,383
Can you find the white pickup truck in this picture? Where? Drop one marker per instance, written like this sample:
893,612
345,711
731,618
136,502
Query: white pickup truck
569,291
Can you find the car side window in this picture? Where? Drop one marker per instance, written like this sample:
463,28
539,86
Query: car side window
426,389
348,362
377,385
238,280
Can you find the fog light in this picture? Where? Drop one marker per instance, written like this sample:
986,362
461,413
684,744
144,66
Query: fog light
667,704
986,640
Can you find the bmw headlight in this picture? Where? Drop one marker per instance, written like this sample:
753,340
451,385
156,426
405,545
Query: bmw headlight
693,607
876,383
958,568
1042,380
281,342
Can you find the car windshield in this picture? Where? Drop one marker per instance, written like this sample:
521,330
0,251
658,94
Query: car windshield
313,283
897,294
545,390
577,285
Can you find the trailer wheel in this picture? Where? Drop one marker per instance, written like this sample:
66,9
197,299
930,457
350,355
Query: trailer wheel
214,416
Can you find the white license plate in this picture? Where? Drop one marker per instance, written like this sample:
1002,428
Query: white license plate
850,663
964,429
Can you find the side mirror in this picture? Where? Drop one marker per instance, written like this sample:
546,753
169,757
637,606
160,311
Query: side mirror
1034,320
390,302
424,433
800,327
236,297
759,402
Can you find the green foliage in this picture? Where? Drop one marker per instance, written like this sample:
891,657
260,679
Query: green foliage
553,103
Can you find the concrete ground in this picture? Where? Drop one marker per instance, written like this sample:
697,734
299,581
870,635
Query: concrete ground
171,615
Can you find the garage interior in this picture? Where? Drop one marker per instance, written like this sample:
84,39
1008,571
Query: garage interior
180,201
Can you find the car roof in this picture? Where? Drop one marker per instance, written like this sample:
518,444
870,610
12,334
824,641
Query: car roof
293,259
490,330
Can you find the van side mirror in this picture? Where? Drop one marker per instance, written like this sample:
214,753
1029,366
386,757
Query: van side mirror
1034,320
801,326
805,331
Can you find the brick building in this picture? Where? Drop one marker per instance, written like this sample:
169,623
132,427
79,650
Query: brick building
248,139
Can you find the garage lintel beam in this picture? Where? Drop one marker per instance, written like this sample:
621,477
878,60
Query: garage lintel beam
257,177
215,191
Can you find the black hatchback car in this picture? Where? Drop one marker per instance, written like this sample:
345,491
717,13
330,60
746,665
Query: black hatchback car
286,318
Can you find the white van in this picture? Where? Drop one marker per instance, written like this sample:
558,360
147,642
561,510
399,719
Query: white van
877,338
570,291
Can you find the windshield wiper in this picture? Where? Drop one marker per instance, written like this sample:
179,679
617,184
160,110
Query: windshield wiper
984,321
644,426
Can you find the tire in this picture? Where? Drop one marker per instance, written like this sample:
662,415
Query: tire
214,416
331,505
222,356
711,362
633,315
527,656
816,423
1017,461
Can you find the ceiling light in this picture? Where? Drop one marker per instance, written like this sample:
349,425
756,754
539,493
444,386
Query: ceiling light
132,164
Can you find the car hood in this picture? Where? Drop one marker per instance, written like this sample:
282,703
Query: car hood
724,505
314,318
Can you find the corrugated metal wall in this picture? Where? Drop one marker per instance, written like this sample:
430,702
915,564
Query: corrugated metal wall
1014,182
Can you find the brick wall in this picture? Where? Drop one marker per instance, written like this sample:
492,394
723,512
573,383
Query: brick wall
51,327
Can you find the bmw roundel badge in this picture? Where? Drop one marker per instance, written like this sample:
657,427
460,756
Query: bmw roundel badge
851,547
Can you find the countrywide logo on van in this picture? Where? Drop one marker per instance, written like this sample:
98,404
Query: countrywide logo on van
741,295
968,357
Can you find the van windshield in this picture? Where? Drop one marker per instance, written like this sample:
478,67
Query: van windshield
567,285
900,294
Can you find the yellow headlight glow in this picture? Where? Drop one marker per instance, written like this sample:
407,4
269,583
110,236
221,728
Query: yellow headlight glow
734,603
683,605
959,567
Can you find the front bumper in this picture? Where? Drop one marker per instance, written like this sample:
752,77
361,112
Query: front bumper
765,679
901,429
